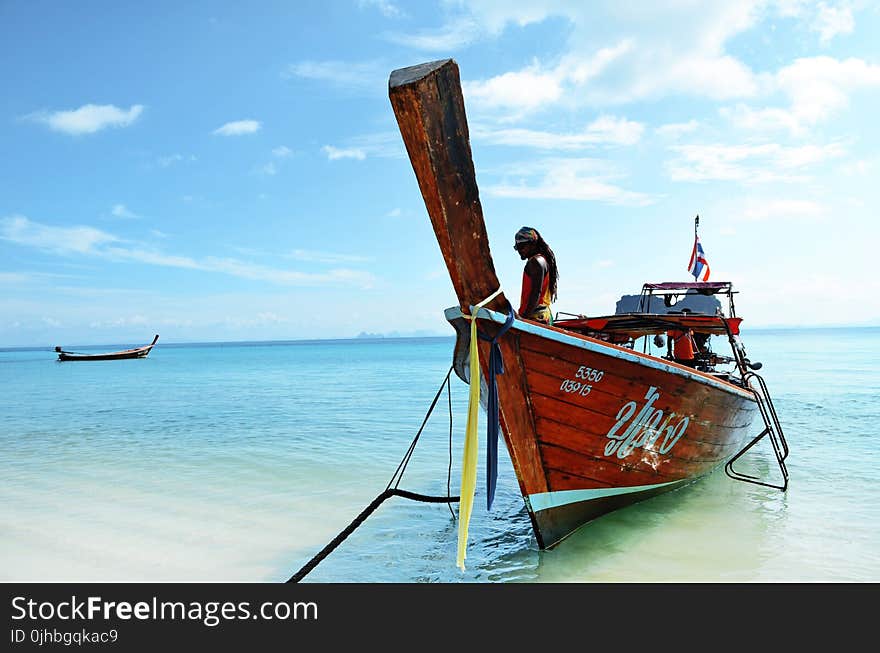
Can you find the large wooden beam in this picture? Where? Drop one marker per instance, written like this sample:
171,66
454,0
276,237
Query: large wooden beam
429,108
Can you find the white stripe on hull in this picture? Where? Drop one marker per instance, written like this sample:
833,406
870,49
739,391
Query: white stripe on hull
547,500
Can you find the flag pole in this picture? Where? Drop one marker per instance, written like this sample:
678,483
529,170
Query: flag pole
696,224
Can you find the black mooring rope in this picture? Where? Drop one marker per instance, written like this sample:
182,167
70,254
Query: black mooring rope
390,491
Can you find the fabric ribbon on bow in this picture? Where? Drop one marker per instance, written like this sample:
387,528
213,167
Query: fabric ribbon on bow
496,366
469,456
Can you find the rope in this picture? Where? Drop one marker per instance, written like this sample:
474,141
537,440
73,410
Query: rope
391,491
406,457
449,468
339,539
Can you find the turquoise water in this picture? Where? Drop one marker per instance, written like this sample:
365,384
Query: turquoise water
239,462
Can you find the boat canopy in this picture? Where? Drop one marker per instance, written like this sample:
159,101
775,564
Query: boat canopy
636,325
626,326
671,291
704,287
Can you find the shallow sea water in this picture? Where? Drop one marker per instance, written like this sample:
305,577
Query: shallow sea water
239,462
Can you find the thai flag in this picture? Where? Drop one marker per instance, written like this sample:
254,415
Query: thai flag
698,264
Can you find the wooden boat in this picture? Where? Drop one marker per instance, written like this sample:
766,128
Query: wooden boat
138,352
591,423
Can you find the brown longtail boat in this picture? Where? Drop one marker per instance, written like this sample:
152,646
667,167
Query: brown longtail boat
137,352
591,423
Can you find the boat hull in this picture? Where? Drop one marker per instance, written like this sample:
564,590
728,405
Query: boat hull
592,427
137,352
102,357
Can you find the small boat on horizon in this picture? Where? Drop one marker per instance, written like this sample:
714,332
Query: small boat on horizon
592,424
137,352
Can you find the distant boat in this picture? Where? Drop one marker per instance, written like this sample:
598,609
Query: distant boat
591,423
138,352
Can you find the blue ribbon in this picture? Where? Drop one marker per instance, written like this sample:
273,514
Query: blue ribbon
493,425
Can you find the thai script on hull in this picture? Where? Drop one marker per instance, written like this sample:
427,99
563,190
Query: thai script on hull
645,429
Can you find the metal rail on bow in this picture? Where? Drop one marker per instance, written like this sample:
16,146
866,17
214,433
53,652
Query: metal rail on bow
772,429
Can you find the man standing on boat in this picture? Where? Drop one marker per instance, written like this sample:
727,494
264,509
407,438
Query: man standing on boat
539,276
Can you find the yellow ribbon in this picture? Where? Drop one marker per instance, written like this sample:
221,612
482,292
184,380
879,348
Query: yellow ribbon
469,458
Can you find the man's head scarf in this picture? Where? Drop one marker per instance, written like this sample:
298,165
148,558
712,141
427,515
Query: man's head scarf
526,235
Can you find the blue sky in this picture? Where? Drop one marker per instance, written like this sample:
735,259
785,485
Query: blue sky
232,171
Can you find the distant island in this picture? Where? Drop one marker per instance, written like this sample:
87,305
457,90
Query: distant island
421,333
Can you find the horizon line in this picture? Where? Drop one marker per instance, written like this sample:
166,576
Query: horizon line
379,337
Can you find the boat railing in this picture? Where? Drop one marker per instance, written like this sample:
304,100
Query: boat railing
772,429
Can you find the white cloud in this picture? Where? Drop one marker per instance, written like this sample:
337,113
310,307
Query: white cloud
363,75
166,161
122,211
608,53
604,130
613,53
831,21
334,153
271,168
677,129
258,272
771,119
89,118
619,131
791,209
456,34
817,88
791,8
140,254
385,7
858,168
748,163
268,169
581,70
80,240
569,179
380,144
123,321
171,159
87,241
238,127
326,257
523,90
537,86
716,77
14,278
383,144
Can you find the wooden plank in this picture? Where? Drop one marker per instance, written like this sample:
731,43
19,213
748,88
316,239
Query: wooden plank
429,107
